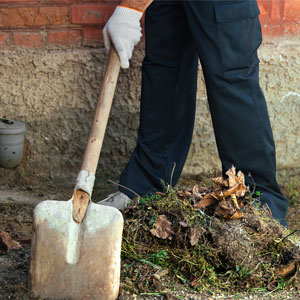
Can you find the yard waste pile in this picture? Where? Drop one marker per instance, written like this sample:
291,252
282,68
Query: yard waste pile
211,238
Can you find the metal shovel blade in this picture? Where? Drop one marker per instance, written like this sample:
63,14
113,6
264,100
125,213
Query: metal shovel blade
75,261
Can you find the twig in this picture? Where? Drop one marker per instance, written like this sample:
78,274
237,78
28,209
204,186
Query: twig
253,183
289,235
109,180
172,173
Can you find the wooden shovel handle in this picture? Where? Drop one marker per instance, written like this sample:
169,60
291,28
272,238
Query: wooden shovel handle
97,131
94,145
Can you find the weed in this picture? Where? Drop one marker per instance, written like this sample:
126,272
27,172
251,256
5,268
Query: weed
293,195
203,265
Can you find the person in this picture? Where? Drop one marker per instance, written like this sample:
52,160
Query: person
224,36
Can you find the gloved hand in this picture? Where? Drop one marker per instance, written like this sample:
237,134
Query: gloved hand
124,30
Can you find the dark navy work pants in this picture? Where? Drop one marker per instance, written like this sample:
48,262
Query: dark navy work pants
225,36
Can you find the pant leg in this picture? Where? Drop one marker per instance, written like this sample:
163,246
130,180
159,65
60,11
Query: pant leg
227,35
169,79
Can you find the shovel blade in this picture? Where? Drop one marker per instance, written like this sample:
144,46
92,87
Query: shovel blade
75,261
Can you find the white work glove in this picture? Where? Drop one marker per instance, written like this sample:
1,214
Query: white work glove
124,30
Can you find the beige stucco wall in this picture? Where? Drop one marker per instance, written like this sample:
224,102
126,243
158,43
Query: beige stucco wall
55,92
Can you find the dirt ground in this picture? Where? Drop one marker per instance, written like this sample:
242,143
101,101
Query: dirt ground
16,206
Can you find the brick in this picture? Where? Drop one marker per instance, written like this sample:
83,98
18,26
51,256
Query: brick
59,2
17,1
64,38
4,36
91,14
52,16
92,37
28,40
279,17
279,11
33,16
11,17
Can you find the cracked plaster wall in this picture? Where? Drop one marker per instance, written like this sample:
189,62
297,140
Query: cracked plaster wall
55,92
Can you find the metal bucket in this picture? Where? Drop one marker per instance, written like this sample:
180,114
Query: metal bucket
11,142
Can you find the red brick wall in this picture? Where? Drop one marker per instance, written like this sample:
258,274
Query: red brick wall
280,17
53,23
77,23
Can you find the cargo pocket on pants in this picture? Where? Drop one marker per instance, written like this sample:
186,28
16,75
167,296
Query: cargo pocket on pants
239,35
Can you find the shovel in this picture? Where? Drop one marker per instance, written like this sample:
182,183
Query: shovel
76,244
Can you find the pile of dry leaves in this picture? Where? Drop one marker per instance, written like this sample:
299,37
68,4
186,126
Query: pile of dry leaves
210,237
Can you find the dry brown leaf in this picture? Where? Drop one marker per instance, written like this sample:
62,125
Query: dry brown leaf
226,204
221,181
160,194
287,270
208,200
241,203
225,209
196,195
238,215
162,228
235,202
196,233
295,275
183,224
202,188
158,285
218,194
222,213
231,177
195,189
170,297
232,190
9,242
194,281
184,194
241,180
236,182
161,273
